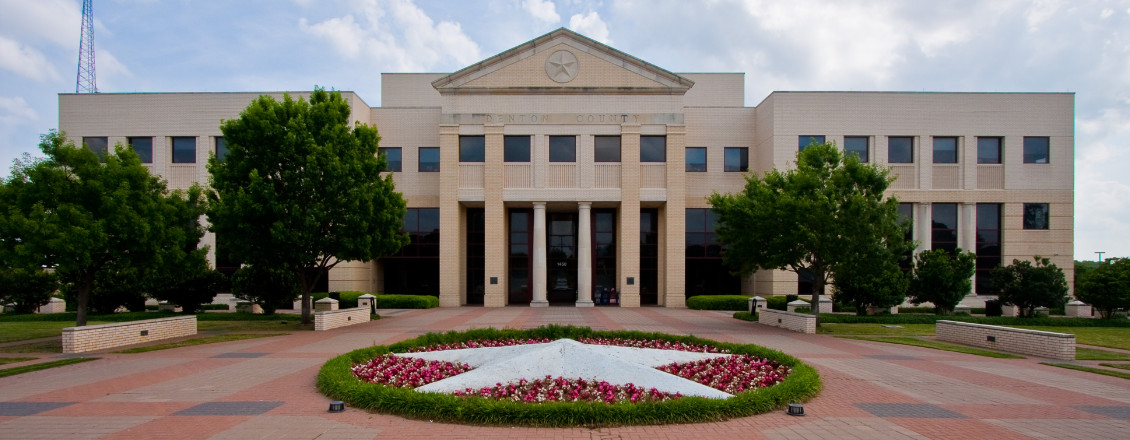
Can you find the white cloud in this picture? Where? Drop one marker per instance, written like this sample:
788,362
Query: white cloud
590,25
543,10
343,34
16,109
56,21
25,61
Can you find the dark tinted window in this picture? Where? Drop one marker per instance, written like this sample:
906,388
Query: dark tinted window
516,148
393,157
1036,150
857,145
988,245
900,149
653,148
221,148
143,146
988,150
562,148
944,226
1035,216
429,160
184,150
945,150
804,140
607,149
696,159
472,148
99,145
736,158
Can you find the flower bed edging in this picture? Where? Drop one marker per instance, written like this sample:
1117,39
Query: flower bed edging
337,381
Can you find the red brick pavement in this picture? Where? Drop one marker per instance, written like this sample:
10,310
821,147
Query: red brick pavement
853,373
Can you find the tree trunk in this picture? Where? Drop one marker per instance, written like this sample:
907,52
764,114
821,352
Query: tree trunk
84,285
817,292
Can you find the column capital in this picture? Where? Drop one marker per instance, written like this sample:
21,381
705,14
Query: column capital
539,205
584,205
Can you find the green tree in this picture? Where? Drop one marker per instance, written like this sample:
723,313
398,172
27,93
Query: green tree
1106,287
1027,286
26,289
80,214
823,217
942,278
269,287
301,190
881,286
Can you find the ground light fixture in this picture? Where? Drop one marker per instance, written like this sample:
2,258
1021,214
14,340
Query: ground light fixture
339,406
796,409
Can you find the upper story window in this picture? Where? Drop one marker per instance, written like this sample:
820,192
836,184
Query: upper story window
1036,216
472,149
988,150
143,146
803,141
99,145
900,149
859,146
736,159
184,150
944,226
221,148
606,149
422,227
393,158
696,159
945,149
429,160
701,238
516,148
562,148
1036,149
653,148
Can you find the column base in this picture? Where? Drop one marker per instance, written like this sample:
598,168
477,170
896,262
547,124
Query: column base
585,303
537,303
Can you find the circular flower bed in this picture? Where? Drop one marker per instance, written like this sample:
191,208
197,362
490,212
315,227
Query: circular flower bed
375,378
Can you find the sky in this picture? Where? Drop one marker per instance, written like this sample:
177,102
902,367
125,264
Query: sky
1080,46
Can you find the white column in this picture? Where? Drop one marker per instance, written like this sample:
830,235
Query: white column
967,235
584,255
925,218
539,256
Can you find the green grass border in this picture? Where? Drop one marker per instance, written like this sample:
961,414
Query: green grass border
42,366
1118,366
1117,374
337,381
201,341
1094,354
935,345
12,360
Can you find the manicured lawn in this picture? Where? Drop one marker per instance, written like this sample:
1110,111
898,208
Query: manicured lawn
12,331
292,325
1119,366
42,366
6,360
1091,354
1113,337
839,329
937,346
1090,369
52,346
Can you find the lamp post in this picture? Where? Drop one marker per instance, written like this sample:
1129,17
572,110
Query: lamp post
1100,255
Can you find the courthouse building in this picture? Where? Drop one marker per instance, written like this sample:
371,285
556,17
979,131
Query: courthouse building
563,170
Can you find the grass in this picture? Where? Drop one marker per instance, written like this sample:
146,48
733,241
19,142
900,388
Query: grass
52,346
838,329
201,341
937,346
291,325
42,366
337,381
1089,369
12,360
1111,337
1091,354
1119,366
21,331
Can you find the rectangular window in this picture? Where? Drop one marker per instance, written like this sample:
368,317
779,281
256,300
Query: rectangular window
944,226
221,148
859,146
803,141
143,146
653,148
945,150
392,158
736,158
99,145
1036,149
516,148
472,148
1035,216
607,149
988,150
562,148
696,159
900,149
184,150
988,245
906,218
429,160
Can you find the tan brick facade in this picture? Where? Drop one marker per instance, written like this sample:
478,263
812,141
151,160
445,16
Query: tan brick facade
119,334
1032,342
535,90
331,319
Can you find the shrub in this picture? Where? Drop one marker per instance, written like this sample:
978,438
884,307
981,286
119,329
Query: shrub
267,286
26,289
779,302
718,302
407,302
993,308
746,316
942,278
214,307
1028,285
1106,286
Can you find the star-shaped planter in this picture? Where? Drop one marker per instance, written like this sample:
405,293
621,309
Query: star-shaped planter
569,359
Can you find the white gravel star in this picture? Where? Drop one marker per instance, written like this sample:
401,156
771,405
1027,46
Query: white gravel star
569,359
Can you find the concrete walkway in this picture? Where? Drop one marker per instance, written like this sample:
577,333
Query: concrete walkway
264,388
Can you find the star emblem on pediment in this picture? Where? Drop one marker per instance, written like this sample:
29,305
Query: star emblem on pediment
570,359
562,66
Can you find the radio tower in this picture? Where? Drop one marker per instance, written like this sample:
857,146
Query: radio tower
86,82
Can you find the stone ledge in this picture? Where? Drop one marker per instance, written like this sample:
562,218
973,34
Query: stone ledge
331,319
118,334
1032,342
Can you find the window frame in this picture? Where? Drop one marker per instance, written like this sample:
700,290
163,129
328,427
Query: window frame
433,167
697,167
510,149
605,156
910,148
866,156
956,147
472,149
561,154
131,139
1047,147
173,148
399,162
999,148
743,160
644,147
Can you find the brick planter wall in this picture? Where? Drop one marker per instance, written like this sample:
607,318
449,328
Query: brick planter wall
1032,342
332,319
103,336
797,322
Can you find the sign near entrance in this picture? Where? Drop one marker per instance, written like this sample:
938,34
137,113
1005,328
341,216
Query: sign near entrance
562,263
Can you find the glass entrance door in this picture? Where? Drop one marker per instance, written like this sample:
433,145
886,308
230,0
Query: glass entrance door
561,258
520,261
604,257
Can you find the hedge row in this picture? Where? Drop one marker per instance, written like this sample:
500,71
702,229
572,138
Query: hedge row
407,302
718,302
337,381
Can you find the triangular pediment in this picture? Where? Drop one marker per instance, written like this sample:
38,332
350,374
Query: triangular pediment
563,61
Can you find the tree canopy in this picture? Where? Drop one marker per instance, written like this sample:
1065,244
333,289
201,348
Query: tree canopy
942,278
82,215
1027,286
825,217
1105,286
300,189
